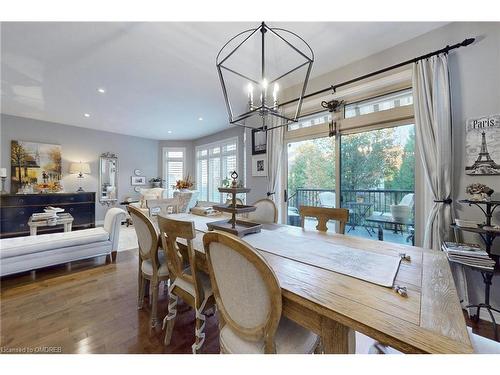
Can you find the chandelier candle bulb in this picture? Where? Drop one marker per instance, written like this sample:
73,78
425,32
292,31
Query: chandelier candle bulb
250,95
264,92
275,94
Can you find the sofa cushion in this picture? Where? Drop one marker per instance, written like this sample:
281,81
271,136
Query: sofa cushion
11,247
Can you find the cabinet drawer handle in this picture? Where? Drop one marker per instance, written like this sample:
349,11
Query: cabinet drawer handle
71,209
21,201
21,213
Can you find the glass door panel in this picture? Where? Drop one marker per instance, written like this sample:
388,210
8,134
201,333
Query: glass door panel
378,183
311,177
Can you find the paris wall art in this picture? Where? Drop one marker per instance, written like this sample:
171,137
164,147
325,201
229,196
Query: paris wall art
482,146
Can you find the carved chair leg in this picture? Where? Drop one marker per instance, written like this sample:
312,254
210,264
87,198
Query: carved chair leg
199,333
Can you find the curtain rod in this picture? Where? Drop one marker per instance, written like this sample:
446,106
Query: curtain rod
446,49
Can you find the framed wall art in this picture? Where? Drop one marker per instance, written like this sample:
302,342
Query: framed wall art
138,180
482,146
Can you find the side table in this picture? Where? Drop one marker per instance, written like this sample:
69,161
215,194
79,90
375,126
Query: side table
488,235
64,218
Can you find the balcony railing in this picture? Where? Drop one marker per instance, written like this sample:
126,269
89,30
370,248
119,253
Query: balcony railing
381,199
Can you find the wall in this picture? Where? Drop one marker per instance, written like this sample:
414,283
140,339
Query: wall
80,144
257,184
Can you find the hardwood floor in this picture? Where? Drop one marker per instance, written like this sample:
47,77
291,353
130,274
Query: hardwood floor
92,308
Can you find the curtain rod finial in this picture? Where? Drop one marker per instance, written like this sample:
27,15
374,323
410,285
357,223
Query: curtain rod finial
468,41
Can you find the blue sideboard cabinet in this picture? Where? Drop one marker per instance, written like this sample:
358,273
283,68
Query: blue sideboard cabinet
16,209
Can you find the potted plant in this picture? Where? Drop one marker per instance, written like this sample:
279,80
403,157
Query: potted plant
184,184
156,182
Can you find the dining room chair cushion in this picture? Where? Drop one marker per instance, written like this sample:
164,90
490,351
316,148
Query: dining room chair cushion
290,339
189,287
147,266
241,286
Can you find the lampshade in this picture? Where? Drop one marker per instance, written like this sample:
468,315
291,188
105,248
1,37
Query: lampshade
78,168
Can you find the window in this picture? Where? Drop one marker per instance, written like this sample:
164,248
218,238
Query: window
215,163
174,161
307,122
378,104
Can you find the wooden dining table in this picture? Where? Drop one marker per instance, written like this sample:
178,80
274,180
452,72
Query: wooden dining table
334,305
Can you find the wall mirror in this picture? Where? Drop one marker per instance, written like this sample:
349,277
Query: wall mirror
108,178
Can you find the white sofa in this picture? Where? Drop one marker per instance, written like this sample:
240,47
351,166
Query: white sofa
21,254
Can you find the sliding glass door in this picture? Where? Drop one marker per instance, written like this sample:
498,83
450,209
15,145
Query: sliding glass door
378,183
311,176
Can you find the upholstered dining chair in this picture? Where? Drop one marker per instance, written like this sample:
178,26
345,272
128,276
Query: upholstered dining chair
266,212
152,265
248,297
323,214
191,285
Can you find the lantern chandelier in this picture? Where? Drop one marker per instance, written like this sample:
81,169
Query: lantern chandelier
253,66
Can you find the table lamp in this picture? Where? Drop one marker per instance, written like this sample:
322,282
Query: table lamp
80,169
3,175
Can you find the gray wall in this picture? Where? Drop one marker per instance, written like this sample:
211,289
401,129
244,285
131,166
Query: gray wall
257,184
80,144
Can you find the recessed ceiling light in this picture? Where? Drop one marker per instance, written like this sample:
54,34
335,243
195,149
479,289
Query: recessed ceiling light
169,132
200,118
86,115
101,90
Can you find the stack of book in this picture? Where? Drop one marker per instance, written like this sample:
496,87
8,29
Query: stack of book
469,255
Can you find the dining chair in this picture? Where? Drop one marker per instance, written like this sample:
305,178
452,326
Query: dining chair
323,214
152,264
190,284
266,212
248,297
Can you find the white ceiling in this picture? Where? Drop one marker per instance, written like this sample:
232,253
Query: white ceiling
159,77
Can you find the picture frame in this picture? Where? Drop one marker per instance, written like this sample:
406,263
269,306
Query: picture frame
482,146
259,166
137,180
259,141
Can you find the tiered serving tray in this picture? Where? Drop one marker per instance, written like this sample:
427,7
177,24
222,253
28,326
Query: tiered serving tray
235,226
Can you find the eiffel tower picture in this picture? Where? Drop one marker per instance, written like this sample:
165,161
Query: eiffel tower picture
484,164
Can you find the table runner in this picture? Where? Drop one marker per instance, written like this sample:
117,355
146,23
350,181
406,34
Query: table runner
375,268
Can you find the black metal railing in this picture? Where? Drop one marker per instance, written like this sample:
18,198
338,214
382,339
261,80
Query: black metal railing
381,199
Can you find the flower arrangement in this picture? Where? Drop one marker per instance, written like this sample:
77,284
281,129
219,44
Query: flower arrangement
479,191
186,183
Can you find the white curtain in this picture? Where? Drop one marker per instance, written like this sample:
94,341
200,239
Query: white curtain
275,142
431,95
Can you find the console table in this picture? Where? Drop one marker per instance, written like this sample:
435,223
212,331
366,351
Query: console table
16,210
488,235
